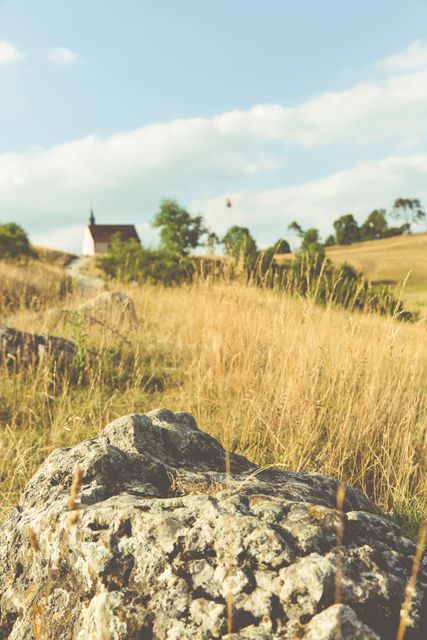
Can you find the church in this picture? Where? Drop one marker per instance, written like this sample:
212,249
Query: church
98,237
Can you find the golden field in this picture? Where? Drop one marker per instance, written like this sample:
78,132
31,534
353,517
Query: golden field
392,261
280,379
400,262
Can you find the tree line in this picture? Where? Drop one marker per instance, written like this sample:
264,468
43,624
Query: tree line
377,225
309,274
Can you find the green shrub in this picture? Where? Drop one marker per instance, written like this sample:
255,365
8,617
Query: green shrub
128,261
310,275
14,241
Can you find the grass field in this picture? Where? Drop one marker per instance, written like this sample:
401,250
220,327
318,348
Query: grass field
36,285
391,260
283,380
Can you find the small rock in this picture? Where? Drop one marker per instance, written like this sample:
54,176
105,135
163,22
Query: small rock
110,307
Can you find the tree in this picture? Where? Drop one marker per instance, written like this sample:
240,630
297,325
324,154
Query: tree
238,243
311,245
267,256
409,210
179,231
330,241
310,240
375,225
397,231
282,246
296,228
14,241
212,242
346,230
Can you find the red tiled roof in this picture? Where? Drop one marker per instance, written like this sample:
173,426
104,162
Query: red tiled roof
105,232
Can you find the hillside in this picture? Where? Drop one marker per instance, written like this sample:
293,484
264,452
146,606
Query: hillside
34,284
53,256
389,261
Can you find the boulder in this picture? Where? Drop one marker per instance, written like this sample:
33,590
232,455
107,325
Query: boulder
19,348
110,307
140,533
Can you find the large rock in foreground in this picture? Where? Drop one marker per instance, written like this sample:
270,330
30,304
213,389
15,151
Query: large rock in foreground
163,542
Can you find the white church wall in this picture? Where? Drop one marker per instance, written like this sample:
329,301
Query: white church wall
88,245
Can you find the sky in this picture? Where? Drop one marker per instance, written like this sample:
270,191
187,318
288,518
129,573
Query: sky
295,109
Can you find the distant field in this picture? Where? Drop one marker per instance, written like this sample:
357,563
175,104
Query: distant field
390,261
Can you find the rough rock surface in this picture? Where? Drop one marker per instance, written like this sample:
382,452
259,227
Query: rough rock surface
111,307
18,348
163,541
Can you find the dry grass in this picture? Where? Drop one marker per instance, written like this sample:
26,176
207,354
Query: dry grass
282,380
53,257
35,285
390,260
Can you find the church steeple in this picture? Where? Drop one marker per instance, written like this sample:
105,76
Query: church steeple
91,217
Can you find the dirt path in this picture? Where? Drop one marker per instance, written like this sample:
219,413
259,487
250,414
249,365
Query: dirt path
88,285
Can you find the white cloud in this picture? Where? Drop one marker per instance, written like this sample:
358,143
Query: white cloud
195,159
64,238
413,57
62,56
9,53
317,203
267,212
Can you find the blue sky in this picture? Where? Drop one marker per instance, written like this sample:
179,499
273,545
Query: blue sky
300,109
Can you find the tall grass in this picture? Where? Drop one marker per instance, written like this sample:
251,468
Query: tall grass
34,285
282,380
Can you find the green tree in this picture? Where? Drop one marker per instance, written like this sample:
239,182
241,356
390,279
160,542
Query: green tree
311,245
375,225
409,210
310,241
330,241
212,242
14,241
282,246
239,243
129,261
296,228
309,238
346,230
267,256
179,231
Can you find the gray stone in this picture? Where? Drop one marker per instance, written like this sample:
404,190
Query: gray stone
20,349
338,622
165,542
110,307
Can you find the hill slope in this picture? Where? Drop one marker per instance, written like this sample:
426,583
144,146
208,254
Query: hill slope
390,261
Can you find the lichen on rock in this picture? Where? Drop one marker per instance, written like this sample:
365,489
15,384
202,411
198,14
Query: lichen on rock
148,558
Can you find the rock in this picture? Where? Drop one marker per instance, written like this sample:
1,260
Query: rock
18,348
338,622
110,307
163,543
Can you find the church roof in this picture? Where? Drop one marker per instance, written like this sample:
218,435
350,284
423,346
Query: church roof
105,232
